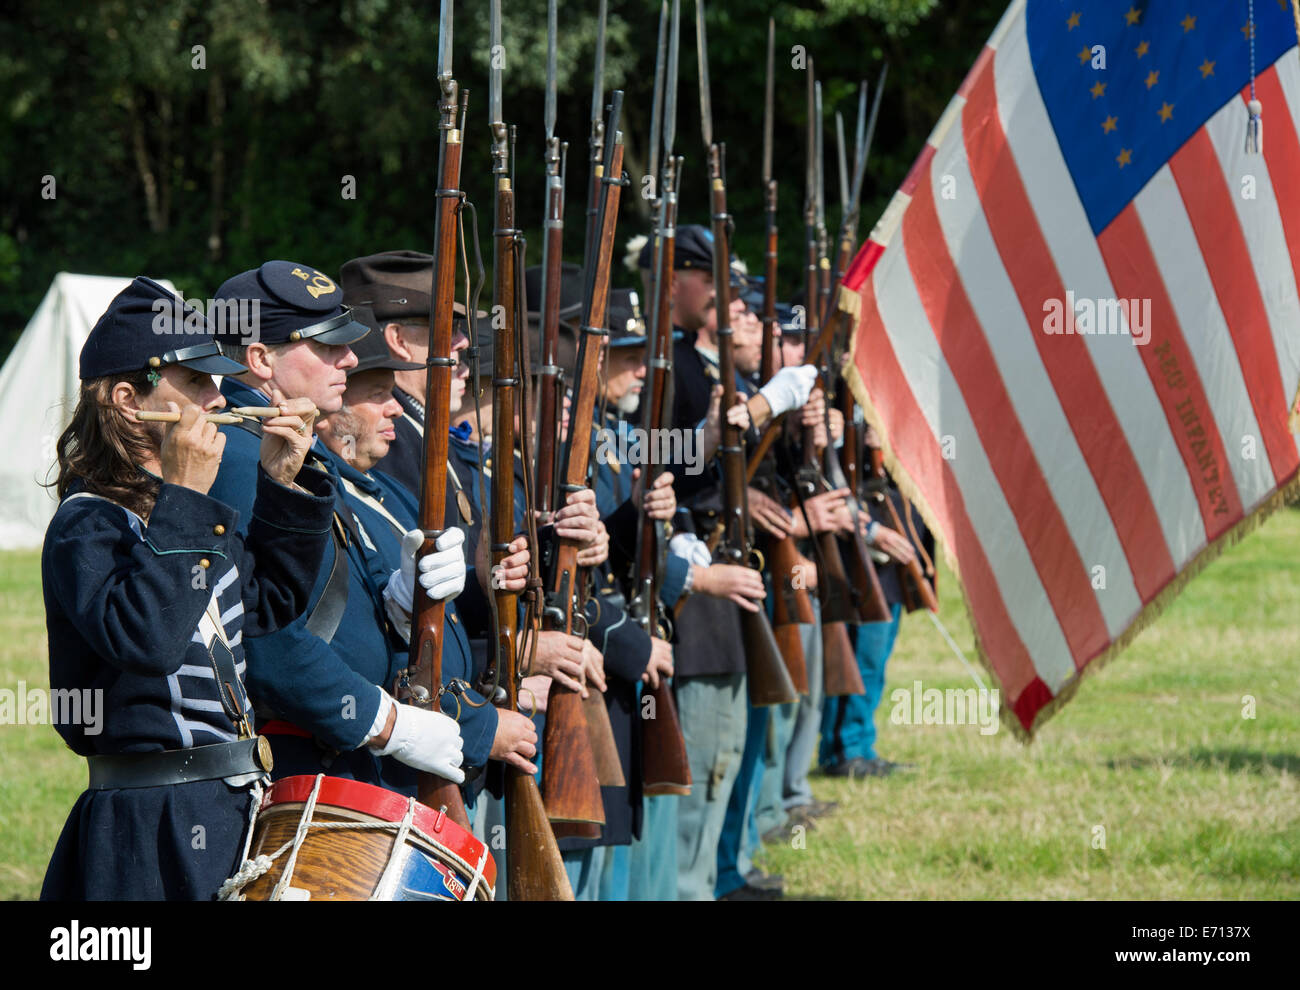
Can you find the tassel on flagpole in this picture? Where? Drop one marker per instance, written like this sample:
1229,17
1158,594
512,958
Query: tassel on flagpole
1255,128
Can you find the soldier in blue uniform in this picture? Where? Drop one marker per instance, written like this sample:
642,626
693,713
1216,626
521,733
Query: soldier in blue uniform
153,589
321,684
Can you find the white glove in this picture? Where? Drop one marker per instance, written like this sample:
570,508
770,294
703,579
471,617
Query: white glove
691,548
789,388
442,573
426,740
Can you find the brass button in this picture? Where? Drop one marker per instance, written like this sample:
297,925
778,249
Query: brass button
205,562
455,619
219,530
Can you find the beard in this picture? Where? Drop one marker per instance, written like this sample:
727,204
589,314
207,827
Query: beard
629,402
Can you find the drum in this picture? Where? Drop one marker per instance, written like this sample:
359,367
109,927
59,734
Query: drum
328,839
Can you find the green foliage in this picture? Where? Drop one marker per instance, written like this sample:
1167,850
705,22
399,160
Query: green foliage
193,173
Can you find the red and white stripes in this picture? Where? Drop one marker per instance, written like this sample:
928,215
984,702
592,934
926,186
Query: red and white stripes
1072,475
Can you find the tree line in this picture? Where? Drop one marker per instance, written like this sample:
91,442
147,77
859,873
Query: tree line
190,140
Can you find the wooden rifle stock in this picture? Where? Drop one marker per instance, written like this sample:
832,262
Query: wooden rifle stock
790,607
421,682
842,676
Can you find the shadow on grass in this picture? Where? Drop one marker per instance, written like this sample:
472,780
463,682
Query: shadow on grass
1227,759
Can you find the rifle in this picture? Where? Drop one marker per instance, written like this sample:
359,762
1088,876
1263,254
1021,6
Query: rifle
790,605
535,869
769,681
665,766
421,682
569,782
609,769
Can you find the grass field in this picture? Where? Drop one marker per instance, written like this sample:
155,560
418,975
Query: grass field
1193,800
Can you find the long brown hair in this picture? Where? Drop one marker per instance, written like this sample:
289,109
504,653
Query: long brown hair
103,449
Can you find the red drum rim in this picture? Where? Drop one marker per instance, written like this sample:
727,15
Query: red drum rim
387,806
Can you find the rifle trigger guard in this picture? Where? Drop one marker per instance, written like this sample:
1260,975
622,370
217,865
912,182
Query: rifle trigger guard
756,554
532,708
579,617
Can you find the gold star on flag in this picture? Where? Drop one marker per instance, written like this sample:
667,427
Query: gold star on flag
1166,112
1109,124
1207,69
1085,53
1142,48
1124,157
1098,88
1073,22
1132,16
1152,77
1248,30
1188,23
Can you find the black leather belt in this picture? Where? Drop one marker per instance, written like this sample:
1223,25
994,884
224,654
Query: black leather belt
238,763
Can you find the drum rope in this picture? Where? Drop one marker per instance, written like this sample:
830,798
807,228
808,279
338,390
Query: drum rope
478,875
399,842
304,824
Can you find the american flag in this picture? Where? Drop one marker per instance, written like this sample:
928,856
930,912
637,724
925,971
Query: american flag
1078,325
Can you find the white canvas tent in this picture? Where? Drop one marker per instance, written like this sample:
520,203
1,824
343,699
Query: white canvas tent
38,391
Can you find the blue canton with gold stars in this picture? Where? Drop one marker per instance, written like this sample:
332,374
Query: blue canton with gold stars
1170,65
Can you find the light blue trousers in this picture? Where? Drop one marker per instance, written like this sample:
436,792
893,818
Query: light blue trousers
714,711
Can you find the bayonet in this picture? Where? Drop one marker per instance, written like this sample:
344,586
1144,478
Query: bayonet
769,102
670,81
767,366
444,38
702,51
810,143
499,136
598,77
862,120
818,160
657,107
552,32
596,143
840,161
